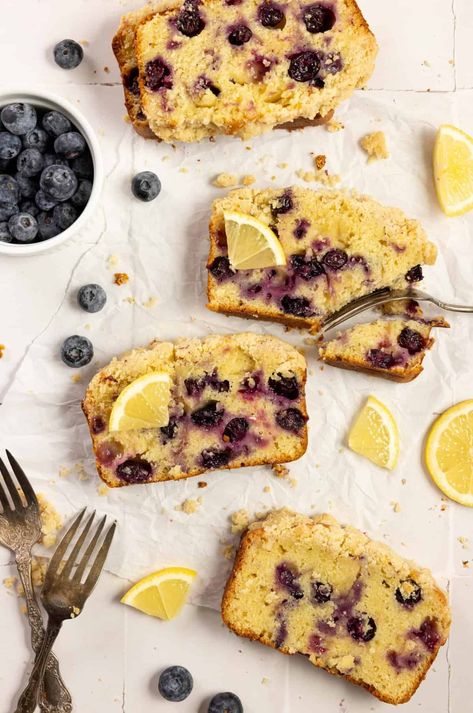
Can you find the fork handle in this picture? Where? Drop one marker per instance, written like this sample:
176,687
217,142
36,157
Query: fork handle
54,696
29,698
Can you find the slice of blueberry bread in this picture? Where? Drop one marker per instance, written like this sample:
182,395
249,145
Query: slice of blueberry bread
351,605
392,348
242,67
236,400
338,246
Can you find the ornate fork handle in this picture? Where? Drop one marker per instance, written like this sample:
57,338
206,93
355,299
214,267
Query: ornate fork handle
54,696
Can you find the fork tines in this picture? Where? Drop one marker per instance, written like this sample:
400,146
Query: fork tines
9,487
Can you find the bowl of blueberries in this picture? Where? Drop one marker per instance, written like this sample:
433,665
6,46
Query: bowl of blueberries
51,172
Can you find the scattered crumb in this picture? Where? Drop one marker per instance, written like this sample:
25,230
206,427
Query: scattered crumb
80,470
464,542
23,609
75,378
130,299
201,484
264,680
75,612
225,180
375,146
248,180
266,489
334,126
307,176
443,507
310,341
183,169
150,302
112,261
84,43
87,326
189,506
126,118
280,470
102,489
120,278
403,481
64,471
106,69
395,506
426,63
228,552
240,520
2,349
293,482
320,161
9,582
465,563
328,179
51,521
283,165
165,158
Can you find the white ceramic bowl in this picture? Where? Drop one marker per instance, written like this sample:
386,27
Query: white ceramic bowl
46,100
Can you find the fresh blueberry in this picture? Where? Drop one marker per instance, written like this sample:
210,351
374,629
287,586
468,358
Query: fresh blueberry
4,165
215,458
19,118
297,306
146,186
287,577
36,139
221,269
7,210
83,165
414,274
412,340
318,18
321,592
47,226
158,75
9,190
26,185
285,386
236,429
271,16
134,470
335,259
59,182
361,627
380,359
68,54
239,35
91,298
28,206
189,21
211,414
64,215
175,683
23,227
43,201
70,145
82,195
290,419
225,703
10,145
304,66
169,431
307,269
284,204
51,159
30,162
55,123
5,236
77,351
408,593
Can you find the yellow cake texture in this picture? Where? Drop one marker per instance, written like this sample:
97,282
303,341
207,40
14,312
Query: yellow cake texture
236,400
241,68
351,605
338,246
392,348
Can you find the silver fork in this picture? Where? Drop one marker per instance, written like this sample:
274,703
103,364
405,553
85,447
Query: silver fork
379,297
20,529
64,593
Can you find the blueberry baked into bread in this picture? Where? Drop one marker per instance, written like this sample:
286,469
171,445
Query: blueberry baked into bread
338,246
351,605
208,67
235,400
391,348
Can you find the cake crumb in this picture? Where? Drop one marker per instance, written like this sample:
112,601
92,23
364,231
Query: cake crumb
201,484
403,481
102,490
465,563
75,378
130,300
64,471
395,506
375,146
266,489
307,176
248,180
189,506
9,582
228,552
293,482
120,278
320,160
265,680
225,180
283,165
2,349
464,542
280,470
80,470
150,302
240,520
112,261
51,521
328,179
106,69
75,612
183,169
333,126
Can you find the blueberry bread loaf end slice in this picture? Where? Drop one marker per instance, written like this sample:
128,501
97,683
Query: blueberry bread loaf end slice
391,348
236,400
338,246
351,605
210,67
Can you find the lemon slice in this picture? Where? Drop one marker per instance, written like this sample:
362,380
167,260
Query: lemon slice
251,243
375,435
161,594
453,170
449,453
143,404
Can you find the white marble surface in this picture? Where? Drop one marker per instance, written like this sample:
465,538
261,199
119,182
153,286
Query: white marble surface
111,655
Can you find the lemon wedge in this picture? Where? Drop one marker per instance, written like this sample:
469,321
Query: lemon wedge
161,594
143,404
453,170
449,453
251,243
375,435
